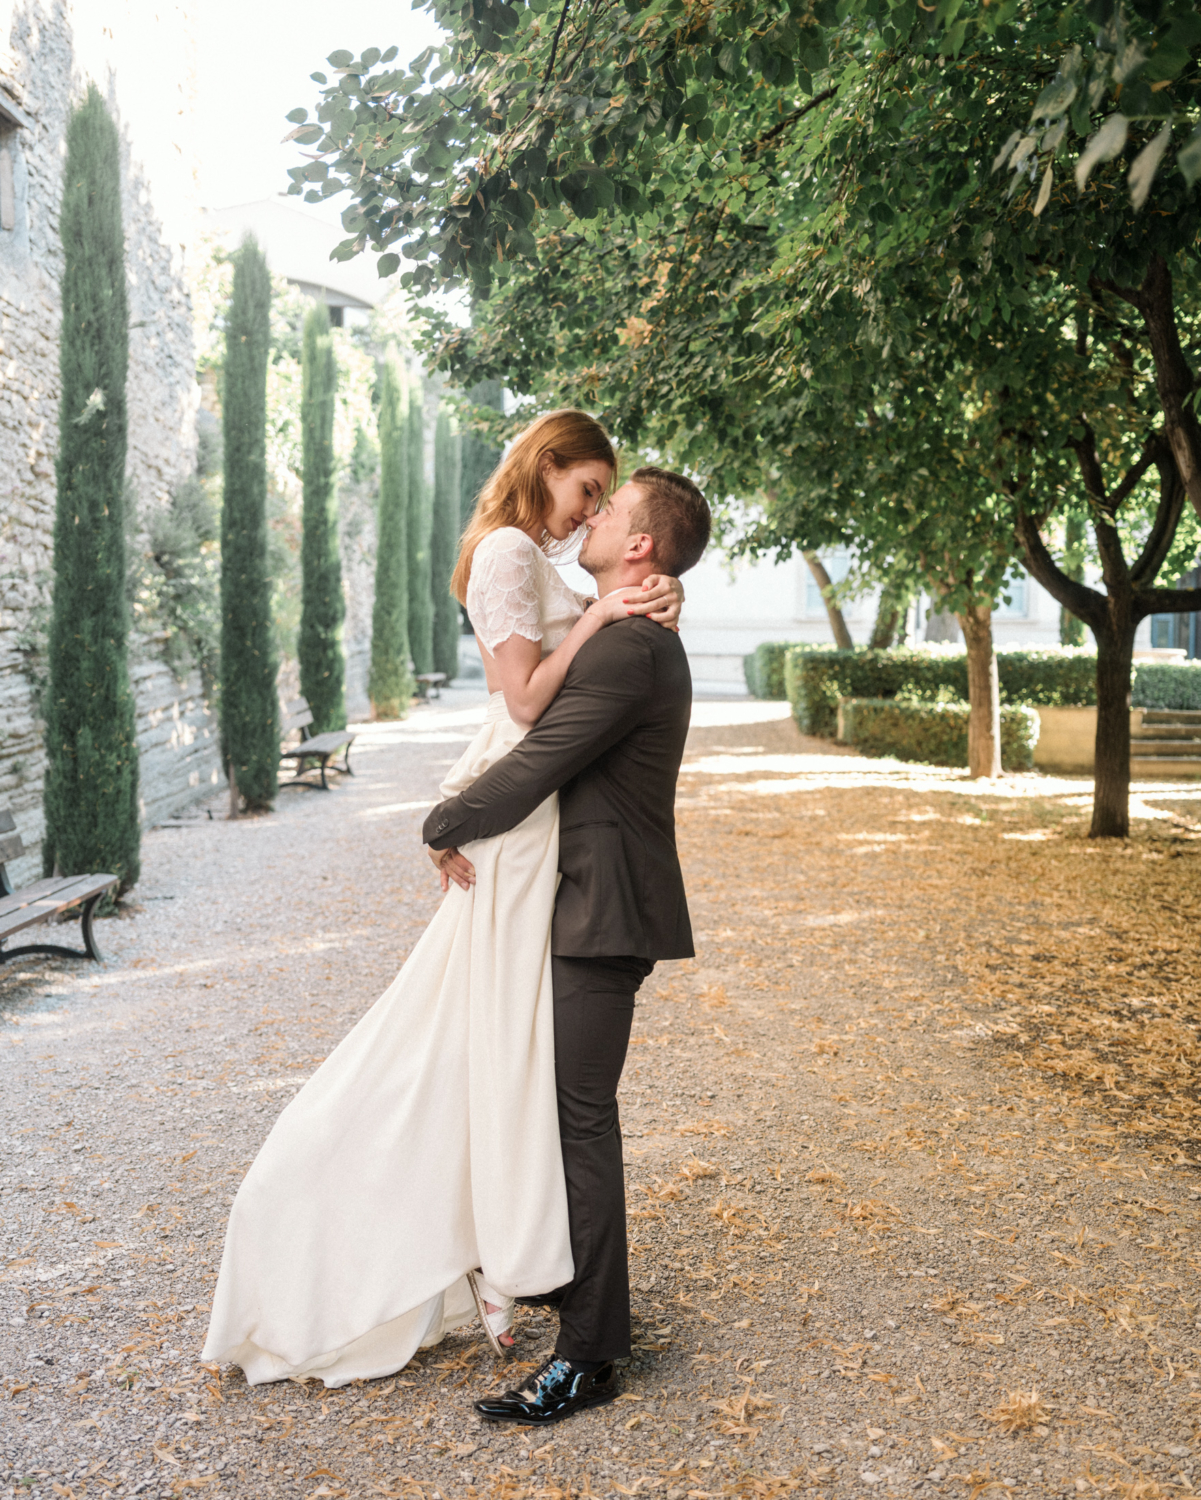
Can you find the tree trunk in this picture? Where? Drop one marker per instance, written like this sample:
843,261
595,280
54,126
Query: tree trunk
984,693
1071,627
1111,772
890,615
842,636
234,799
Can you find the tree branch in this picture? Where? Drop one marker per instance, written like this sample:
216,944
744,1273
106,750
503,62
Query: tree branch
1174,379
1114,569
1150,455
1083,602
1167,518
789,120
554,46
1166,602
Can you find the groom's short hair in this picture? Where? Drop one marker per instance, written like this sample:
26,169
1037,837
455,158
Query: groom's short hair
674,514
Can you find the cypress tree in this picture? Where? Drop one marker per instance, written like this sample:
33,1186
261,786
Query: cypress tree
478,457
249,707
91,787
444,546
391,684
322,669
421,522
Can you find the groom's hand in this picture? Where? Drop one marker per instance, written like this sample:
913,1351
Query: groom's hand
452,866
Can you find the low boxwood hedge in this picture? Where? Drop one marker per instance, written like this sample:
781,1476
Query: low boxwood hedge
935,733
816,680
764,669
1166,684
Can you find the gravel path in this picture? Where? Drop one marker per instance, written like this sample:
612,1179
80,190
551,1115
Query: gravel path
871,1253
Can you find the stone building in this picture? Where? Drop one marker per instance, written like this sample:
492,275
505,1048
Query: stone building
140,53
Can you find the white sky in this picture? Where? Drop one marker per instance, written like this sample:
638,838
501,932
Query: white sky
253,64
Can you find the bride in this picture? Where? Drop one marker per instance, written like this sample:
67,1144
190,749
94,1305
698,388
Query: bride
417,1177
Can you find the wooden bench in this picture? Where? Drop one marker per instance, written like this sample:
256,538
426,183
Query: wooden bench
318,747
429,684
45,901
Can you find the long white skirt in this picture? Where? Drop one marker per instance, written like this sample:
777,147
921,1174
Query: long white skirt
426,1144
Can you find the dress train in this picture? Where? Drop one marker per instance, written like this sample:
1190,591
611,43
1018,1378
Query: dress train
425,1145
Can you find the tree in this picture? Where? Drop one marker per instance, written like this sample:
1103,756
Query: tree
390,683
322,666
91,788
741,248
478,456
249,704
421,522
444,544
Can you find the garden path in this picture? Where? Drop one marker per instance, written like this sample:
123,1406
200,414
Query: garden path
910,1144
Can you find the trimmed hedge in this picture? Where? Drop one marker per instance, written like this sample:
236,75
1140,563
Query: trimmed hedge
763,669
1166,684
934,733
816,680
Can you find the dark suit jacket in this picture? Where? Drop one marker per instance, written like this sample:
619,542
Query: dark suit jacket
611,745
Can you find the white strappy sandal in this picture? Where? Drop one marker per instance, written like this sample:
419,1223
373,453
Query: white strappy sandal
495,1323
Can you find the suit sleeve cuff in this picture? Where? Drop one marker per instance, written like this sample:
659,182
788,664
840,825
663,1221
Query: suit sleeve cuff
434,829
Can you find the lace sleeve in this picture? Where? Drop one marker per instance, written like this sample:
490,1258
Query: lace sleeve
502,593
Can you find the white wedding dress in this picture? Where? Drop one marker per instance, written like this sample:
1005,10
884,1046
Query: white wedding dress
427,1143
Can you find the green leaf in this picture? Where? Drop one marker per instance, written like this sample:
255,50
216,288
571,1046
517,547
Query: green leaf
1006,151
340,59
1104,146
1044,192
1146,165
1058,95
370,58
390,54
1188,158
388,265
318,77
297,116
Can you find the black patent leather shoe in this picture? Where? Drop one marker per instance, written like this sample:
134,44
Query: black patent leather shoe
551,1394
543,1299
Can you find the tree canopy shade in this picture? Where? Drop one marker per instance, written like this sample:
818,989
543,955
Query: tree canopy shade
322,666
391,684
91,791
249,704
773,245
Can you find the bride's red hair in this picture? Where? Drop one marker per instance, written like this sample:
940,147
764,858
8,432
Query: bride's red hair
515,493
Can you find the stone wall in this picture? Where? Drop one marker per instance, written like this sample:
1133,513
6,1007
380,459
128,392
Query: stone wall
49,51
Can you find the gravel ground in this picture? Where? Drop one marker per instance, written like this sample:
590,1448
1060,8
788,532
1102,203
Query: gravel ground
870,1254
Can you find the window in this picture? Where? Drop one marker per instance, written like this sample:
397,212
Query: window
1163,631
1017,588
838,565
8,196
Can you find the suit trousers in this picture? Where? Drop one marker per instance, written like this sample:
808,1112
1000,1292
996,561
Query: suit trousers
594,1008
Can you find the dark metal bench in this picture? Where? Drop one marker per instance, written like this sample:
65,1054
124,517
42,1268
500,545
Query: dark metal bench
45,901
318,747
429,684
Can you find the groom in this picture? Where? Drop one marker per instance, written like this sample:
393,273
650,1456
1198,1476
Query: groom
610,744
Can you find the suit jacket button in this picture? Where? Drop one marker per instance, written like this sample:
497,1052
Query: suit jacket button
443,825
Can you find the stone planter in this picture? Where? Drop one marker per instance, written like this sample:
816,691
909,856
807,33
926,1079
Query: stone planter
1066,738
